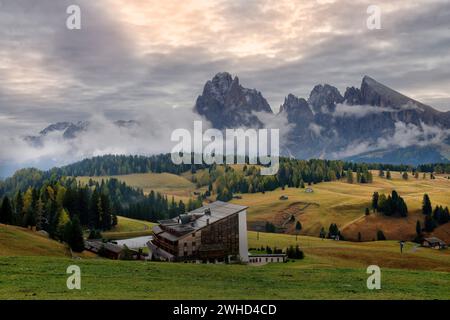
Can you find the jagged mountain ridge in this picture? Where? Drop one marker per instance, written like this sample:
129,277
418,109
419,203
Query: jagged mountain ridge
372,123
371,119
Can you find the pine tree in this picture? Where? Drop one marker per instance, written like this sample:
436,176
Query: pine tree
418,228
74,235
40,215
18,209
388,174
83,205
181,207
6,212
426,205
94,210
402,207
298,226
446,215
52,214
430,224
322,233
333,231
383,205
375,198
380,236
105,215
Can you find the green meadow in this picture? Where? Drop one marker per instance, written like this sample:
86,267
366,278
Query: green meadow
34,267
45,278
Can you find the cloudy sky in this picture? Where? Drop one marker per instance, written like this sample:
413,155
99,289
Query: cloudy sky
135,56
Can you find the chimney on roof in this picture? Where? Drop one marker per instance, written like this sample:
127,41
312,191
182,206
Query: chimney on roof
207,222
208,211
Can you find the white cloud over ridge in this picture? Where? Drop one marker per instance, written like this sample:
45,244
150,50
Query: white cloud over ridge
405,135
102,136
360,111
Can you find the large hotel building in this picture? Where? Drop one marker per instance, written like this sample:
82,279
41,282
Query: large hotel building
216,232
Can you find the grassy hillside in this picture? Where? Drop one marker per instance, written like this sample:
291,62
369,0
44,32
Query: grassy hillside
331,202
33,267
16,241
342,203
165,183
327,253
129,228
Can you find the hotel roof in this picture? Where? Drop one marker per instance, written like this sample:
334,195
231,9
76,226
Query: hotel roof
197,219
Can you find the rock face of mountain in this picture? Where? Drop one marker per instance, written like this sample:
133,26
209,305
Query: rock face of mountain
324,98
373,123
226,104
297,110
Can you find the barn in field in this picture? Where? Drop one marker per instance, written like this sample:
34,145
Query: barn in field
434,243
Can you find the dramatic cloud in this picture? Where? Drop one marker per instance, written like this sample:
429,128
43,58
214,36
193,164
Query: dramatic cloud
102,136
138,57
276,121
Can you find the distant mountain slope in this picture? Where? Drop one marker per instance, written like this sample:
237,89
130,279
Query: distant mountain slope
415,155
70,130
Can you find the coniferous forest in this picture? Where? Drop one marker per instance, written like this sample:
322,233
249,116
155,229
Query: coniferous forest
64,207
53,200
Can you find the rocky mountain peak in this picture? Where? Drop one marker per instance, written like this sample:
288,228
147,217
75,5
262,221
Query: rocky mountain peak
297,109
220,84
323,98
59,126
353,96
376,94
227,104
